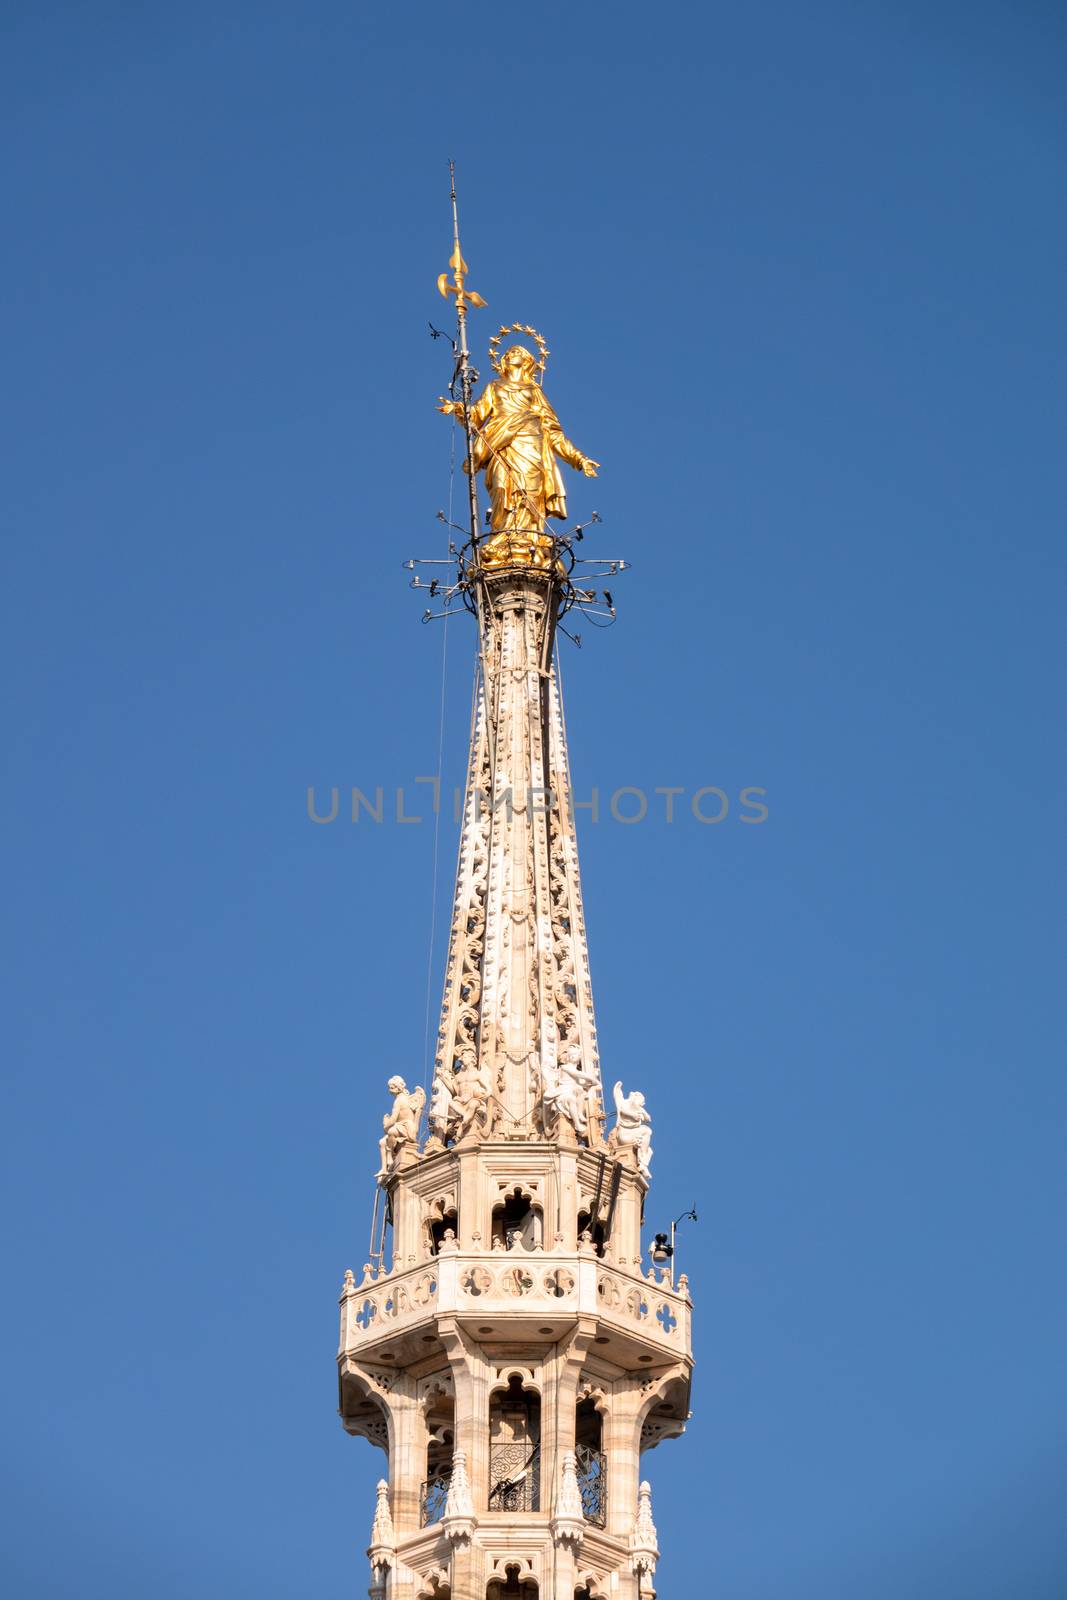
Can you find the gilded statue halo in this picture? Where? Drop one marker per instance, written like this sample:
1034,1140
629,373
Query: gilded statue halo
516,327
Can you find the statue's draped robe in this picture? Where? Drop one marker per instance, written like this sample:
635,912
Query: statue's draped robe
517,439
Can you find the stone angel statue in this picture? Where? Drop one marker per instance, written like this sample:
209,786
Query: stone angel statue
400,1125
461,1100
518,444
566,1090
633,1128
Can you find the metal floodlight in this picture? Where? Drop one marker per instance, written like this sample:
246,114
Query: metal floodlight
662,1249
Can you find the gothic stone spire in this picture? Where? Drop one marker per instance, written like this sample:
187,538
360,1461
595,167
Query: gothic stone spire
513,1360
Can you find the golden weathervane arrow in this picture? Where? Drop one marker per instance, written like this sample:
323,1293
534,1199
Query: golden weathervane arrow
464,297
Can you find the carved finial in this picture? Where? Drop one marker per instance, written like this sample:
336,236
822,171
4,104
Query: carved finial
368,1274
568,1523
381,1533
570,1496
644,1549
349,1285
459,1521
382,1549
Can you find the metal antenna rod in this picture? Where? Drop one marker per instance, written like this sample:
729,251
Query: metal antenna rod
464,297
459,268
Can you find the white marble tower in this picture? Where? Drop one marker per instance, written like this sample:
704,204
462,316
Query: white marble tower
511,1359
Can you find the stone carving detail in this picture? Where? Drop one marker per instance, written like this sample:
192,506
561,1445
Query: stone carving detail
516,1281
381,1534
644,1550
462,1101
459,1521
436,1386
424,1290
568,1092
382,1550
458,1034
476,1281
517,1038
559,1283
401,1298
633,1128
637,1305
376,1430
400,1125
656,1429
568,1524
572,991
609,1293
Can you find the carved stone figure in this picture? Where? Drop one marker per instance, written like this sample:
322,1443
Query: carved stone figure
566,1089
442,1102
460,1101
517,439
400,1126
472,1102
633,1127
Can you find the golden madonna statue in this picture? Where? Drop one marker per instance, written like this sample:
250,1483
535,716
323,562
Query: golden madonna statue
517,440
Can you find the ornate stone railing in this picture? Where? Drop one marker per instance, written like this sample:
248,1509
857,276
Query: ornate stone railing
660,1311
498,1282
503,1280
386,1301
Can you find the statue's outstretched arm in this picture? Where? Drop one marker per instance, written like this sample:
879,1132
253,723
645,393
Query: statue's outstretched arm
479,411
564,448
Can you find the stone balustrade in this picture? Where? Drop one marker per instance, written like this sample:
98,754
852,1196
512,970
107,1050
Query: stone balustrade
502,1283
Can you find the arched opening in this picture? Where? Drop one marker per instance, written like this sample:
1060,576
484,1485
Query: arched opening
595,1230
448,1222
515,1448
517,1222
513,1586
441,1430
591,1462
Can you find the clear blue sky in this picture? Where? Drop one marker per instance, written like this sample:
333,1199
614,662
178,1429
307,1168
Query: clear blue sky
802,270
